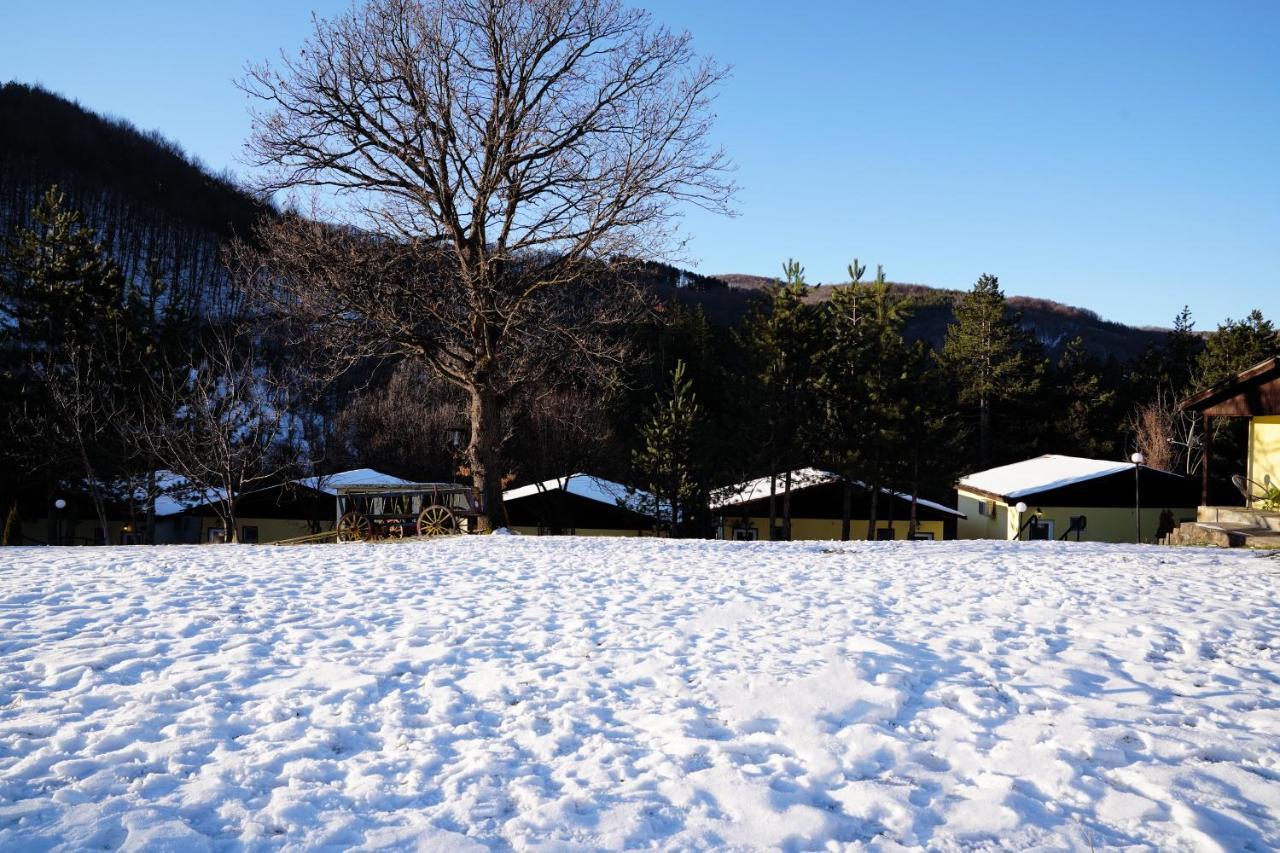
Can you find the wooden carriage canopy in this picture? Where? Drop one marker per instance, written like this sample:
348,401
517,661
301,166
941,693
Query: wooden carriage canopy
376,511
1251,393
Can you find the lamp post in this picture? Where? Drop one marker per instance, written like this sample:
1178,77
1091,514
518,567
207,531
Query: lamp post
1020,508
1137,460
454,436
60,520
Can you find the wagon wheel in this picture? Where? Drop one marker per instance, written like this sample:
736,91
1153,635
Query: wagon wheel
395,529
354,527
437,520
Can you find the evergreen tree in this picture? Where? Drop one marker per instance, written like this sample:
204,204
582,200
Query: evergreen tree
1087,422
863,386
68,333
668,459
931,438
1236,345
989,358
782,340
1181,348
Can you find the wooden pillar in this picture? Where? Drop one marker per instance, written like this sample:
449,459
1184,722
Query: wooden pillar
1207,453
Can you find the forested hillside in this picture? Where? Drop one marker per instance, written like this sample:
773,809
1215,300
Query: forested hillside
161,215
1055,325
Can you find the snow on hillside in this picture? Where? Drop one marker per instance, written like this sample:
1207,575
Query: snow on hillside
553,694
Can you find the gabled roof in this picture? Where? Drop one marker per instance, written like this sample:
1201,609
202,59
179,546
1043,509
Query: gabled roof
804,478
587,486
1259,383
328,483
1040,474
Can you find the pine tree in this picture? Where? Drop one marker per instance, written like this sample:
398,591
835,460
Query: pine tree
783,342
1086,423
988,357
1236,345
862,384
68,332
668,459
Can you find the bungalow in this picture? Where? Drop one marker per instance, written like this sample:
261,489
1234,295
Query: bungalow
817,510
1254,394
269,514
1069,497
579,505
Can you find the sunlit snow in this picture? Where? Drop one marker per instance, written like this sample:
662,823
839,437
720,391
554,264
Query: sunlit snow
569,693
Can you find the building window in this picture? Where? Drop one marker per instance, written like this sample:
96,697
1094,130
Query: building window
886,534
249,534
1040,530
922,536
217,535
745,534
987,508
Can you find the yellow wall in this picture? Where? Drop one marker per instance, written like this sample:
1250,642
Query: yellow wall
269,529
586,531
1264,450
79,533
1104,524
807,529
975,525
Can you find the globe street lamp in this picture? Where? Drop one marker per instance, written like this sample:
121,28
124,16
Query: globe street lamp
1137,459
1020,508
59,523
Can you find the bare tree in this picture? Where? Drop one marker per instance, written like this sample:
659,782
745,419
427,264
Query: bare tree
1167,437
512,150
223,423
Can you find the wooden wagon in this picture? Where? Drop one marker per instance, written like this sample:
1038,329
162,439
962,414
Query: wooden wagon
412,509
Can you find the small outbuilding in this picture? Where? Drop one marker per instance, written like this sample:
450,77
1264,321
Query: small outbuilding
1071,497
579,505
817,510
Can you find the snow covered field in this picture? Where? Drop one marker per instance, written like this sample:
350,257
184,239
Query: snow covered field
541,693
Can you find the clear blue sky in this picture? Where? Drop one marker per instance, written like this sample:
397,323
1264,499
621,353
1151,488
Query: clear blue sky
1120,156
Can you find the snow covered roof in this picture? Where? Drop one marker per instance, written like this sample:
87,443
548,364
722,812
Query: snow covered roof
755,489
329,483
1041,474
588,486
804,478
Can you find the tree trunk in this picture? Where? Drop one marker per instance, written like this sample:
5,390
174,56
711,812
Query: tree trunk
984,433
914,525
786,505
1206,453
483,455
871,521
893,505
846,512
95,495
152,490
773,503
230,527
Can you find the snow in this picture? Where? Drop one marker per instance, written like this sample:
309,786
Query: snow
588,486
329,483
562,693
800,479
1041,474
